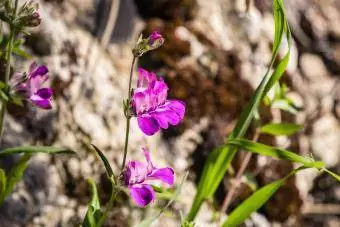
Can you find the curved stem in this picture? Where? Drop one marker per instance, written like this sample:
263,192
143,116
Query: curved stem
127,132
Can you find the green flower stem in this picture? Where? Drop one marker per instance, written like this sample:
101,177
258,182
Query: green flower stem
8,68
128,118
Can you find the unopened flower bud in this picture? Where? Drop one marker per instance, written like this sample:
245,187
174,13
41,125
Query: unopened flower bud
144,45
155,40
33,20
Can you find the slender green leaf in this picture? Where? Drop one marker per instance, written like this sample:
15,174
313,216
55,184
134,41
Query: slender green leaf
16,174
274,152
105,161
337,177
93,213
3,185
220,159
149,221
35,149
255,201
281,129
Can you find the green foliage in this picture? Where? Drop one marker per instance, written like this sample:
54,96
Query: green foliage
16,173
337,177
7,183
281,129
275,152
3,184
220,159
34,150
105,161
93,213
255,201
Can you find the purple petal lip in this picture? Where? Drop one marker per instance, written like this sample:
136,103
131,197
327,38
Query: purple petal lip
137,174
142,194
152,108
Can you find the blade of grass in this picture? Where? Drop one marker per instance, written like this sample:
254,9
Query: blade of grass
266,150
256,201
35,149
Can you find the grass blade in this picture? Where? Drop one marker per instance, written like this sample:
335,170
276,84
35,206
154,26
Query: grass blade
281,129
255,201
274,152
35,149
337,177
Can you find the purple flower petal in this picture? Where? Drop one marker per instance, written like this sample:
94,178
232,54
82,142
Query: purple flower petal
148,159
145,78
177,106
165,116
148,124
143,101
45,93
136,172
40,102
142,194
166,175
160,92
36,70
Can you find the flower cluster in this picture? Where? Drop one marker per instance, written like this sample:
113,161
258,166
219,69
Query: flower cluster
151,106
137,175
29,86
153,110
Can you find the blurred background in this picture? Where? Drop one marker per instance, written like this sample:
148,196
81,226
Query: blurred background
216,53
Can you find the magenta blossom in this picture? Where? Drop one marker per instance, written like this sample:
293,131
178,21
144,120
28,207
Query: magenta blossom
137,174
30,86
151,106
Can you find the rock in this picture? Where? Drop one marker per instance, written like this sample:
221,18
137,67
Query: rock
325,140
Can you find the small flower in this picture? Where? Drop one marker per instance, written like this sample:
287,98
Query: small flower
30,86
137,174
151,106
144,45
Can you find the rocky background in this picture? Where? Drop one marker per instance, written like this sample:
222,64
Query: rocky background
215,54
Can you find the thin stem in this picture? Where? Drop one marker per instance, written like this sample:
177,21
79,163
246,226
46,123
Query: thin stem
234,186
8,68
127,132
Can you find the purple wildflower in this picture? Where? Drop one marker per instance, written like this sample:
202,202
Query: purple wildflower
30,86
151,106
137,174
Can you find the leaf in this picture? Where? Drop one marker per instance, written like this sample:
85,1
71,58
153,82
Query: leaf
35,149
285,105
105,161
337,177
93,213
255,201
22,53
281,129
16,173
3,185
219,160
266,150
149,221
